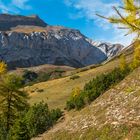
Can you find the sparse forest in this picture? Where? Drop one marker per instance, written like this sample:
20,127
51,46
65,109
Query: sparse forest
19,120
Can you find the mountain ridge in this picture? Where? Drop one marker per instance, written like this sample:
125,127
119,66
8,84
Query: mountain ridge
44,44
8,21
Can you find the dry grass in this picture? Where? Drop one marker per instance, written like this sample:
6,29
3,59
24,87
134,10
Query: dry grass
30,29
46,68
57,91
114,115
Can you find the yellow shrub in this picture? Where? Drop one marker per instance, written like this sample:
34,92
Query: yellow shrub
122,62
75,92
136,59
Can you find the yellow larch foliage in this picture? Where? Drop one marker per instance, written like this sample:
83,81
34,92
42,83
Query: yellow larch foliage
3,67
136,60
75,92
127,17
122,62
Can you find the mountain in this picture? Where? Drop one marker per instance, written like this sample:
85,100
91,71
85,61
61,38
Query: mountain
28,41
108,49
8,21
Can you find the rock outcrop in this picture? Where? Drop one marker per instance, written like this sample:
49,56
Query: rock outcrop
8,21
110,50
28,41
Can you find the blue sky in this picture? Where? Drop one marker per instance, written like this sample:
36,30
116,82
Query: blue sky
78,14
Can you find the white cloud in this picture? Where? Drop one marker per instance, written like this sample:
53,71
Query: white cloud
89,8
120,36
14,6
21,4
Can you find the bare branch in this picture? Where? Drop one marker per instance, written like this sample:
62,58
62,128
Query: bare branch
132,25
102,17
123,28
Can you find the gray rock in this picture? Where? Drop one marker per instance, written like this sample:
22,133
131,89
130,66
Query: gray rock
61,47
8,21
46,45
110,50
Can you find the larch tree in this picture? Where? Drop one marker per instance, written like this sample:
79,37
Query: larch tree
123,63
3,68
136,57
128,17
12,100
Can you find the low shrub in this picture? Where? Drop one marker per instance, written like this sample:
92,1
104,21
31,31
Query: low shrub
75,102
35,121
43,77
59,70
55,114
84,69
40,90
38,119
20,131
29,76
74,77
96,87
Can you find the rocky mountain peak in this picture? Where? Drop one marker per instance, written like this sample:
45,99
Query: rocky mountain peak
109,49
29,41
8,21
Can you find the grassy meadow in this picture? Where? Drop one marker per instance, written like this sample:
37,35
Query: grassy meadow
56,92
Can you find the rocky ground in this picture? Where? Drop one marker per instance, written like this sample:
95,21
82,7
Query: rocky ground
115,115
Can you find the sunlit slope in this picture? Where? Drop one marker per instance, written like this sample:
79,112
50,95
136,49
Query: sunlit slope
42,69
115,115
56,92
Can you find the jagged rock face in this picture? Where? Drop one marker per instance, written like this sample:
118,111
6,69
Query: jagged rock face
60,47
9,21
28,41
108,49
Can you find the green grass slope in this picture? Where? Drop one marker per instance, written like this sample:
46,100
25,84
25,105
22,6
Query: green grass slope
115,115
57,91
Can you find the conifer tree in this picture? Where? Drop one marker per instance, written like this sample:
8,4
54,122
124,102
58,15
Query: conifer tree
136,57
123,62
20,131
12,100
128,17
38,119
